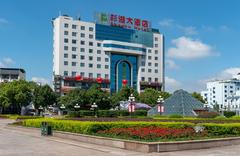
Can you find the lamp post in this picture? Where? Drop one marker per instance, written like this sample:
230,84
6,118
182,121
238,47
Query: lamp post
40,109
206,105
131,106
94,107
160,106
77,107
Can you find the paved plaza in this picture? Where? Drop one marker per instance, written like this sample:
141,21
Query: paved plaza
17,143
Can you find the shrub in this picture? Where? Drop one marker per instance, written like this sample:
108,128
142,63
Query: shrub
229,114
175,116
107,113
208,115
220,117
87,127
140,113
222,129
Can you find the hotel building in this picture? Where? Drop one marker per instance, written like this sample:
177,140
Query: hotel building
113,51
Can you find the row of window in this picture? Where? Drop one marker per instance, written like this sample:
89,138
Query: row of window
82,57
81,42
90,65
149,79
149,70
81,49
149,64
82,35
150,51
90,75
66,25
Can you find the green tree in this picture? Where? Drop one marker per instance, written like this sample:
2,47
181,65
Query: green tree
198,97
150,96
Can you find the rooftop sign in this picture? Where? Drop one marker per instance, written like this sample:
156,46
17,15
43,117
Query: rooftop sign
122,21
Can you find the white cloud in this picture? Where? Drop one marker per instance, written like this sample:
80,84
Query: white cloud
6,62
3,21
188,30
40,80
172,84
166,22
188,48
171,64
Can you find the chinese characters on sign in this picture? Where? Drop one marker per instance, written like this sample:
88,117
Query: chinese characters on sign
123,21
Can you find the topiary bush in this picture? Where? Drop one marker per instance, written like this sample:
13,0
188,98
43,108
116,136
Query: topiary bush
175,116
229,114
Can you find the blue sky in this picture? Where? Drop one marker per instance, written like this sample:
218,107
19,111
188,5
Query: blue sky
201,36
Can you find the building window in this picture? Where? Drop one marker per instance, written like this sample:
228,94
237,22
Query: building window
156,45
82,28
231,86
65,63
106,76
82,64
90,58
156,58
65,40
65,25
90,75
74,48
156,79
156,51
82,74
149,70
106,59
90,43
149,57
82,50
74,64
74,34
65,47
74,74
65,73
74,41
98,51
65,55
90,50
74,26
90,65
156,71
99,44
74,56
149,51
98,66
91,36
82,42
65,32
98,75
143,63
82,35
156,64
106,66
149,64
156,39
82,57
142,78
149,79
98,58
143,69
90,28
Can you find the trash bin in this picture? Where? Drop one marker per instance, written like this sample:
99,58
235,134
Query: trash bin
46,129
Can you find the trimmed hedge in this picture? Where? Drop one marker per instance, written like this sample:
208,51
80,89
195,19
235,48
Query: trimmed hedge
222,129
106,113
18,117
93,127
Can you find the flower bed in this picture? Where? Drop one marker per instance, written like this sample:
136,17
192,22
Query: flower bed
152,133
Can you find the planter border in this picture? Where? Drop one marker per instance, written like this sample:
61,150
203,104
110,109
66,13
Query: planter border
138,145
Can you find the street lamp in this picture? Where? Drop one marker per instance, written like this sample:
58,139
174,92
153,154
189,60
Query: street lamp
94,107
40,108
131,106
160,107
77,107
206,105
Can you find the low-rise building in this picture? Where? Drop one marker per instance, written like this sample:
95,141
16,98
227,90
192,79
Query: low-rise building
11,74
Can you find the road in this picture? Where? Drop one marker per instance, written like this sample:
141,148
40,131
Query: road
17,143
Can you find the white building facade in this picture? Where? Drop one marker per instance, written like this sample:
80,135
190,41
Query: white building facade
223,93
111,52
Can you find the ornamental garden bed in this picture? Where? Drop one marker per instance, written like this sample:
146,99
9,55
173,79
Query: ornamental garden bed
144,136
